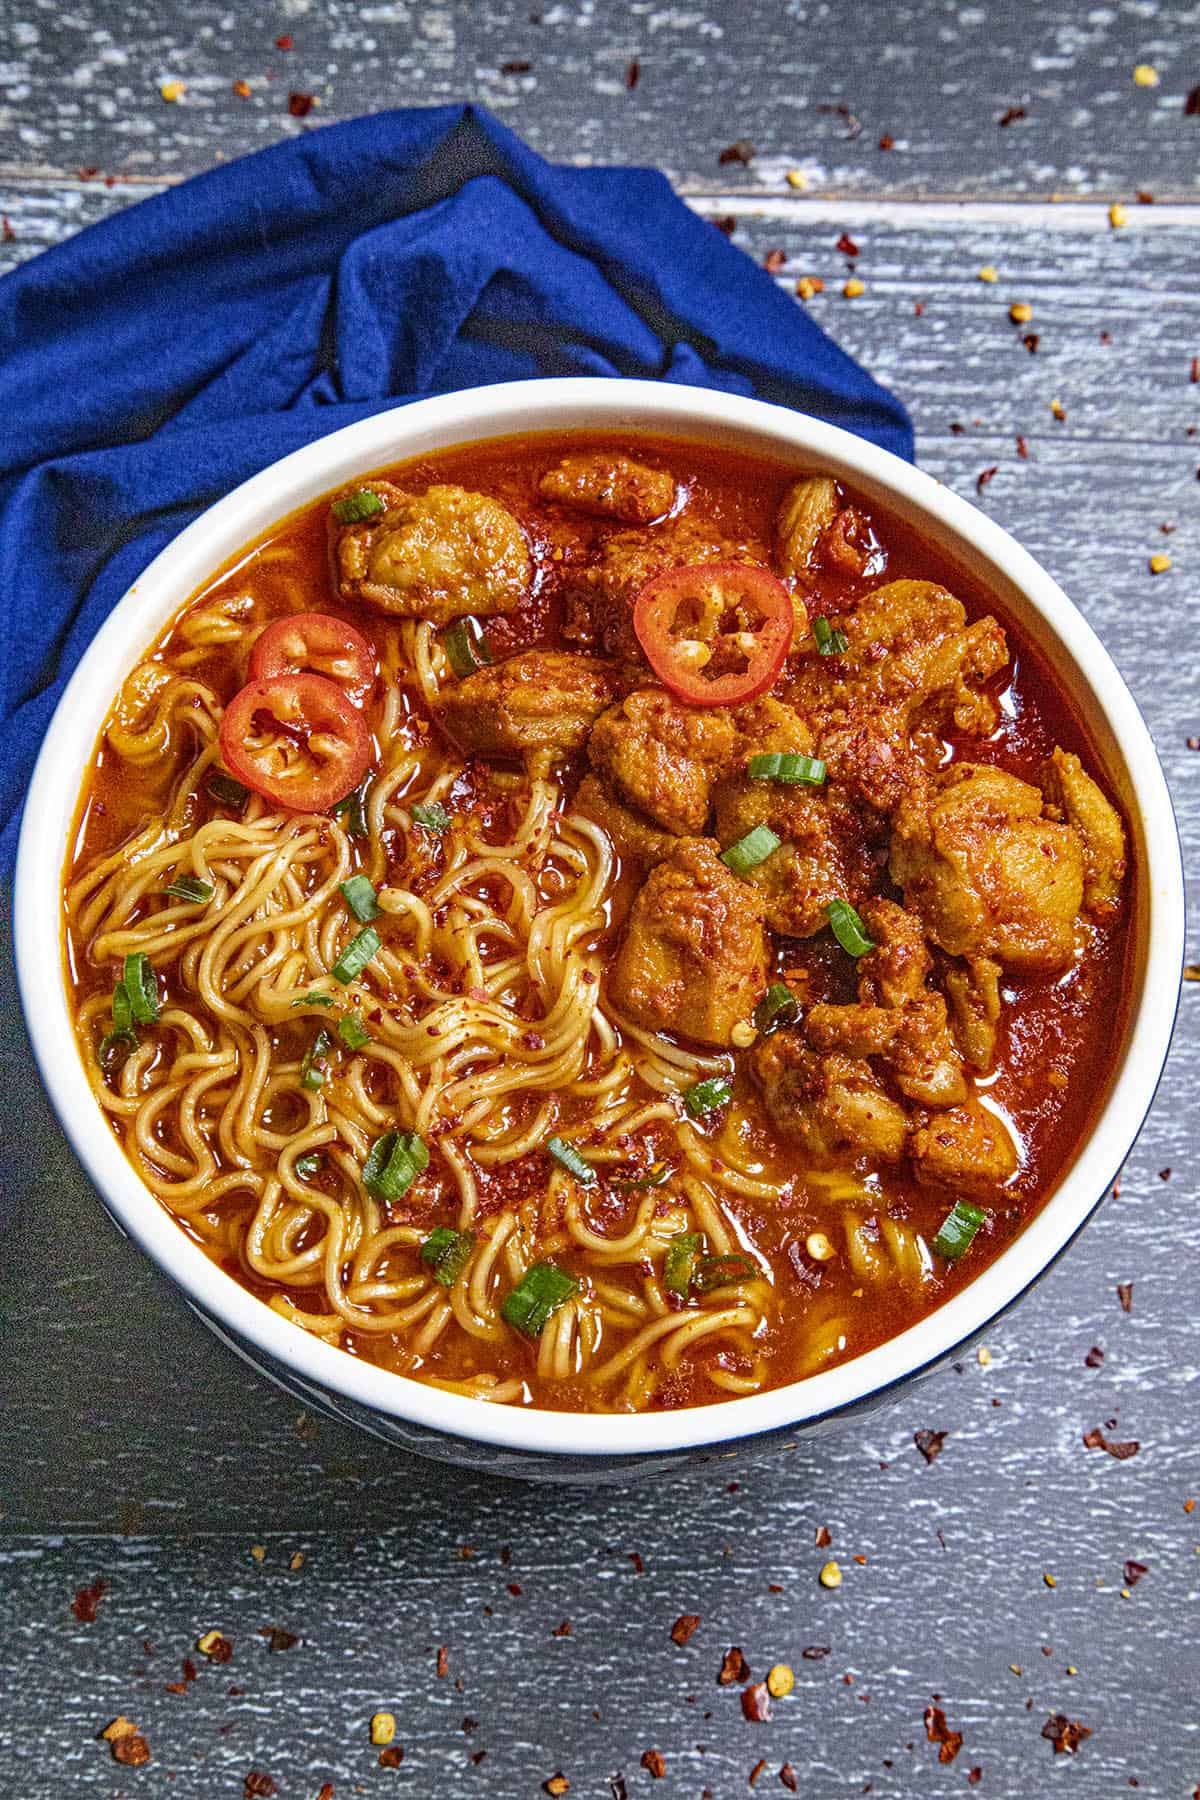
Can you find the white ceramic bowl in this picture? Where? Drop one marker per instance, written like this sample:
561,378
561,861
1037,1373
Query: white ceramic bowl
533,1442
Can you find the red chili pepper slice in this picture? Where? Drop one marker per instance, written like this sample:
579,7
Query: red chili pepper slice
319,643
297,740
715,634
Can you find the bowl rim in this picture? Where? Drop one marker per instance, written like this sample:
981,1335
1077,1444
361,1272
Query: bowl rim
475,415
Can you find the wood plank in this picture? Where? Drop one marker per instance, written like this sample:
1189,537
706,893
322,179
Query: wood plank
937,78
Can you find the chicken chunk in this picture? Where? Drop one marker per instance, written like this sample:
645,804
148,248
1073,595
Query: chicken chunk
987,872
808,507
539,706
663,757
602,595
965,1147
615,487
693,958
435,555
973,990
632,834
832,1104
911,650
1084,807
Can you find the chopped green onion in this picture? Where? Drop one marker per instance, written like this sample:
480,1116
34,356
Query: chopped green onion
352,509
679,1261
141,984
354,808
359,896
778,1006
122,1012
395,1161
848,928
449,1251
751,850
113,1041
707,1096
957,1230
829,642
357,954
314,997
306,1166
313,1070
653,1178
569,1157
225,790
788,766
541,1291
433,818
187,887
718,1271
466,647
352,1032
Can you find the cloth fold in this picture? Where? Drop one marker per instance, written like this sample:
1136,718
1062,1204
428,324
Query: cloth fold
156,360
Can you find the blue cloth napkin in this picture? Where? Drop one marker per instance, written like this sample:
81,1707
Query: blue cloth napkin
156,360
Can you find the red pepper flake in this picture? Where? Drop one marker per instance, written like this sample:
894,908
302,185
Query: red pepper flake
656,1762
814,1652
1134,1572
258,1786
515,1589
443,1662
938,1732
740,151
918,308
1144,197
1189,1505
726,224
1094,1357
1124,1288
1022,448
788,1777
974,1777
853,124
1031,340
326,1792
930,1443
774,260
277,1638
734,1667
517,65
886,142
756,1702
286,42
847,246
1106,337
956,428
563,1630
7,234
756,1771
638,1564
242,89
1096,1440
1191,105
300,105
128,1744
1194,374
392,1757
87,1601
633,74
823,1537
1011,114
685,1627
88,174
1065,1734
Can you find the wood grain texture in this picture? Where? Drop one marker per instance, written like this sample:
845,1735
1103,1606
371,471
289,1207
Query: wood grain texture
83,86
161,1459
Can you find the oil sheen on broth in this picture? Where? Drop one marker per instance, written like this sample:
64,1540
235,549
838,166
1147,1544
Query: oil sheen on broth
736,914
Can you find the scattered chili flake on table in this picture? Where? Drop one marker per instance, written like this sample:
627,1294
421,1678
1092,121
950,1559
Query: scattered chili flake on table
1094,1357
300,105
277,1638
918,307
822,1537
516,65
1096,1440
1058,409
1134,1571
930,1443
296,1560
286,42
1191,105
1065,1734
656,1762
392,1757
1011,114
241,89
443,1662
726,225
981,481
556,1784
938,1732
563,1630
814,1652
808,285
756,1702
734,1667
215,1646
1022,448
1189,1505
974,1777
740,151
887,141
1125,1290
7,234
633,73
87,1600
685,1627
774,260
1031,340
847,246
258,1786
128,1744
756,1771
326,1792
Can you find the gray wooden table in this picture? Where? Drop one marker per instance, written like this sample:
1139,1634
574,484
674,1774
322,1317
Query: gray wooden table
1000,1582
